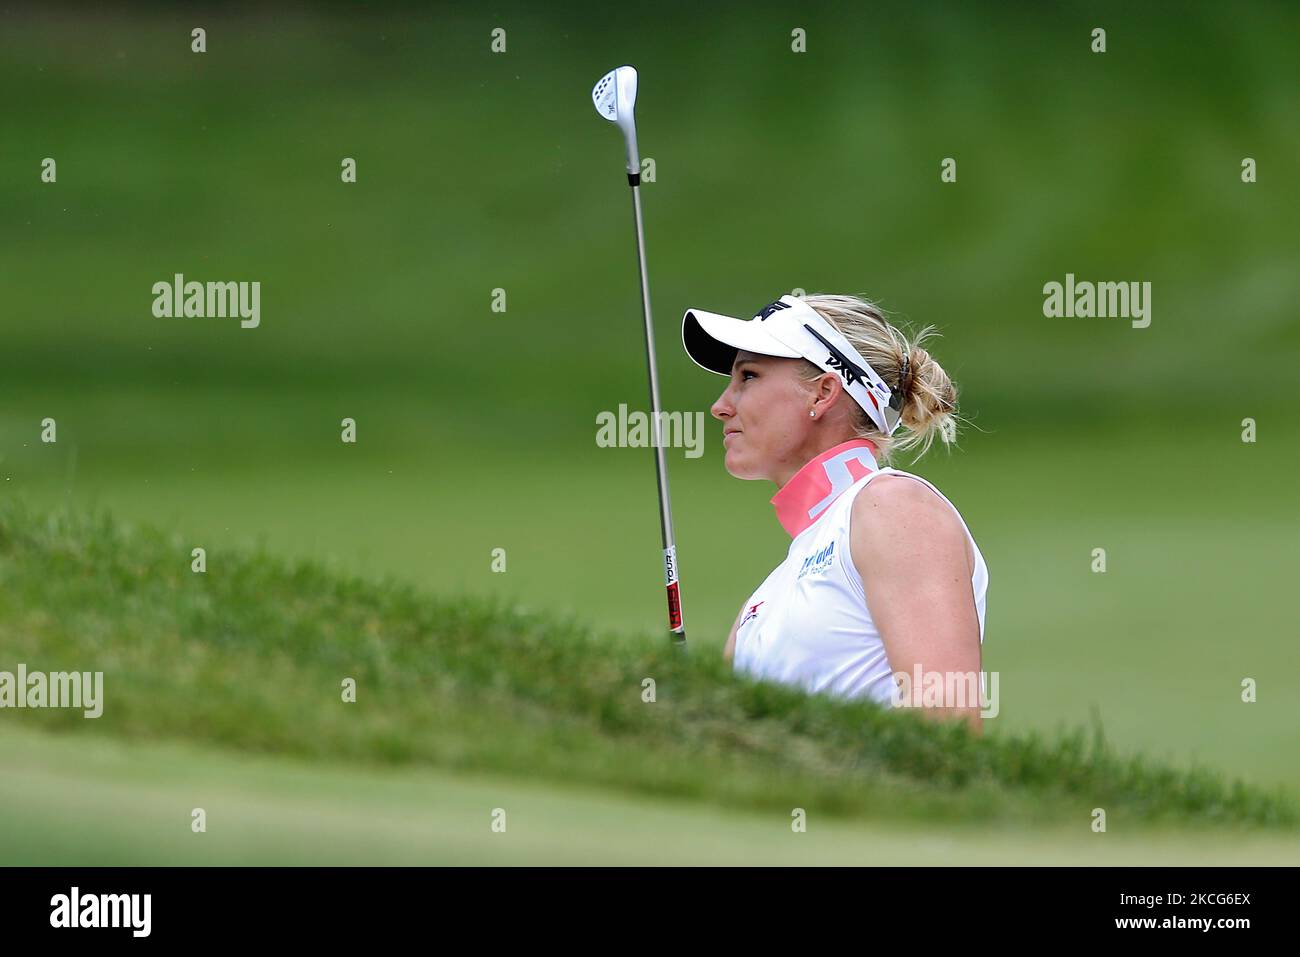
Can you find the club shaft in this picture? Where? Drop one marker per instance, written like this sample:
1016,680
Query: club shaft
675,622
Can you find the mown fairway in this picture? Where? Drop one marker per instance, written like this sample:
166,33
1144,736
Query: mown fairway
96,802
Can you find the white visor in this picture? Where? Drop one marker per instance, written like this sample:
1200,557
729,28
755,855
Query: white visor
791,329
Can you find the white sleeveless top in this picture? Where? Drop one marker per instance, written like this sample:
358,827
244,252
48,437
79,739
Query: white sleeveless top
808,624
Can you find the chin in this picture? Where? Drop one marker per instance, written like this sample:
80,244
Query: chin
739,468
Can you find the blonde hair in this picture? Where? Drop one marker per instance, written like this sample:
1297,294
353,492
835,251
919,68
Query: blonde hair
929,397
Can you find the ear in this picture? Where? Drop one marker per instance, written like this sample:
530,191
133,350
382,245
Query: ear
827,389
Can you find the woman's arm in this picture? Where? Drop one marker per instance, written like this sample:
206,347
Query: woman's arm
730,649
911,551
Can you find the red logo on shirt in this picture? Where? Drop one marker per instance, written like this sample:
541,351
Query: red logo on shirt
752,613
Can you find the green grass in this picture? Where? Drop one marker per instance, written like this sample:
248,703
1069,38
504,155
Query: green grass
251,655
479,172
1201,533
82,800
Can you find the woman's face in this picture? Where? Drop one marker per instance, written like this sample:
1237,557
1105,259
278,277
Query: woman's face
764,415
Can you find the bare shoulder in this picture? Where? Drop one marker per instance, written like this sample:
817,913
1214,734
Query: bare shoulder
889,496
893,513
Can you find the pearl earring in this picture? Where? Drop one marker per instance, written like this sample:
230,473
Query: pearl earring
812,413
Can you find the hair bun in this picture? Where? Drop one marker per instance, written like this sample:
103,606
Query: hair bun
905,377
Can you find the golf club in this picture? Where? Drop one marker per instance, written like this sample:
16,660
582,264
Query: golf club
615,98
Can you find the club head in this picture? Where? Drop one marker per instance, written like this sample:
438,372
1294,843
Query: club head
615,99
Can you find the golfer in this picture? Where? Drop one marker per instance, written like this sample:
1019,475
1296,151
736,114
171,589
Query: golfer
882,577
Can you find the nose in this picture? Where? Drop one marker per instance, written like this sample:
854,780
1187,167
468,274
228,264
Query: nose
723,409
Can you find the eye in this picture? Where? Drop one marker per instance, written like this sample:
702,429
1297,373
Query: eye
747,372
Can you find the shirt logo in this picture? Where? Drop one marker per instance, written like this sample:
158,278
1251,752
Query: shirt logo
752,613
818,562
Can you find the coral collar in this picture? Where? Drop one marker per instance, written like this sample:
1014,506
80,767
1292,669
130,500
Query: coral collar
803,499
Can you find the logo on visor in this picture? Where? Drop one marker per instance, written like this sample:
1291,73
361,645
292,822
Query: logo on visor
770,308
846,367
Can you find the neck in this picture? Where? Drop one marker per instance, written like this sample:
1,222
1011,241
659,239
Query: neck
811,489
814,445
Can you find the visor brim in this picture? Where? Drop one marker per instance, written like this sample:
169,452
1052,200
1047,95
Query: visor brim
712,340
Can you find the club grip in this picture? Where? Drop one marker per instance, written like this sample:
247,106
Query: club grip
674,593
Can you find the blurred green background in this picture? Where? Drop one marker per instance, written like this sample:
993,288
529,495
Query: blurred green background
774,170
